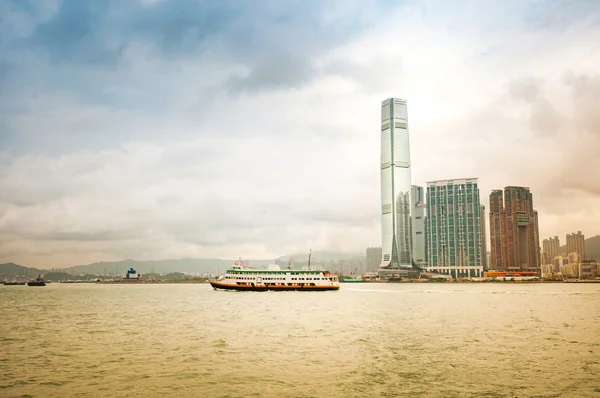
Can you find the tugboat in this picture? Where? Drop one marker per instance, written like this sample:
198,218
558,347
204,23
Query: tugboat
39,281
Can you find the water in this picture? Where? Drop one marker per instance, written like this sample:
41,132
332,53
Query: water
383,340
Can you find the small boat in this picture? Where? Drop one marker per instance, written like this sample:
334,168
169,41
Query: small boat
39,281
348,279
244,278
13,283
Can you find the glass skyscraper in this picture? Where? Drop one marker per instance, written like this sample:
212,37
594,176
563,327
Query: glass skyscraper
395,186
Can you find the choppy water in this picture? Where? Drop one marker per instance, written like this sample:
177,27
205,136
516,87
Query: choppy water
382,340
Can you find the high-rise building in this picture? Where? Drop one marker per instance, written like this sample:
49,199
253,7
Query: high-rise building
373,258
454,239
484,257
395,185
514,235
419,251
550,249
576,244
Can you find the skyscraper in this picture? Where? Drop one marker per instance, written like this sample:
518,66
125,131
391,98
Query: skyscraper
418,225
454,241
576,244
551,249
395,185
514,235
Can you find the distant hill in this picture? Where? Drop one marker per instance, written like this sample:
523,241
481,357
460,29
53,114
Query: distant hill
185,265
592,247
18,270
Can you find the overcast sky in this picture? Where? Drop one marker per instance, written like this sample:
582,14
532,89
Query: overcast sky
157,129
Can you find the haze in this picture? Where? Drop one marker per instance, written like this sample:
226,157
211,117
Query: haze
167,129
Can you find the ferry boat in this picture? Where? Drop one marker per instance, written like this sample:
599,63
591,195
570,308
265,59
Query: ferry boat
245,278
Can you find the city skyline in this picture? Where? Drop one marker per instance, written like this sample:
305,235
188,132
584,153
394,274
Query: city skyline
140,130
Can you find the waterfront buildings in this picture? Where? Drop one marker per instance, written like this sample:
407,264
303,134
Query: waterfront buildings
559,263
373,258
573,258
576,244
514,235
588,269
550,249
419,251
395,186
454,238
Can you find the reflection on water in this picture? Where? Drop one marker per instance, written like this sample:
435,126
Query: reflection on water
446,340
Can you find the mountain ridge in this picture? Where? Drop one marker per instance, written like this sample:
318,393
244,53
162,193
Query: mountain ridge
186,265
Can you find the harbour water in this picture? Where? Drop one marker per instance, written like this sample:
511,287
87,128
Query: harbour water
380,340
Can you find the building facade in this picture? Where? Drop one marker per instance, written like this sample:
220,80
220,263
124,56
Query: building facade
395,186
373,258
576,244
419,248
484,256
550,249
454,238
514,236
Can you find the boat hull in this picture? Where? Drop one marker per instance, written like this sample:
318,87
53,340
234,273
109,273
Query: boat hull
264,288
36,284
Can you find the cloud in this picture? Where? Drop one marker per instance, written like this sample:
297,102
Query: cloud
165,129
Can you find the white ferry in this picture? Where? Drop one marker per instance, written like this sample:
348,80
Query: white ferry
245,278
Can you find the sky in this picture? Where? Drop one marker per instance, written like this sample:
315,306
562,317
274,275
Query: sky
155,129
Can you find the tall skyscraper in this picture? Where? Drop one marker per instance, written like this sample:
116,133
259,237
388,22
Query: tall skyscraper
454,240
576,244
419,249
514,235
395,185
551,249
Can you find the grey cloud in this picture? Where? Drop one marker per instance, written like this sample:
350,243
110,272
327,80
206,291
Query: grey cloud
527,89
557,14
544,119
75,34
585,91
278,71
566,160
165,194
56,94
